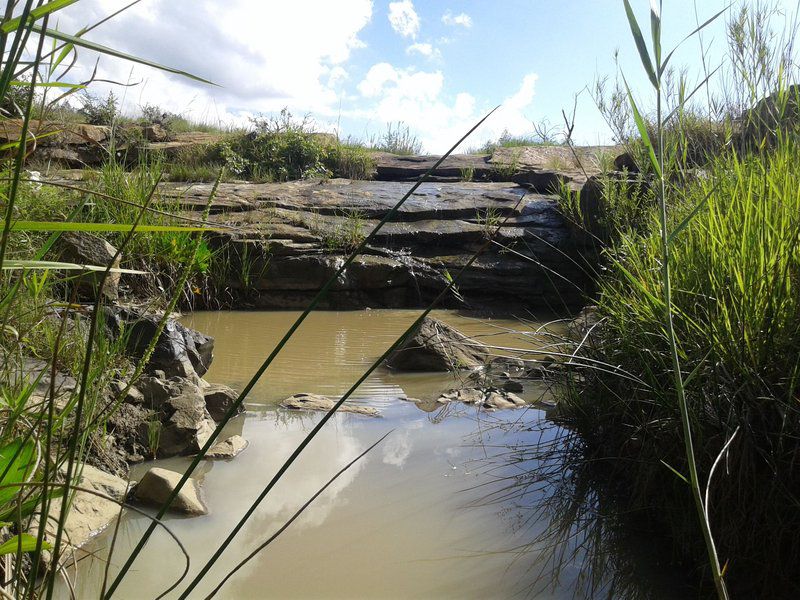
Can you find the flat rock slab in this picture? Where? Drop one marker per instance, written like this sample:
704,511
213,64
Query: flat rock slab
325,404
227,449
370,199
157,485
456,167
90,513
555,157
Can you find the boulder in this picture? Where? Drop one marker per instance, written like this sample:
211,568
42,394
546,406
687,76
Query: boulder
180,351
593,204
323,403
186,424
30,370
86,249
219,398
227,449
778,112
155,390
435,346
157,485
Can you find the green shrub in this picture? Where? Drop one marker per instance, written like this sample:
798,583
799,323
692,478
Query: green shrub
100,111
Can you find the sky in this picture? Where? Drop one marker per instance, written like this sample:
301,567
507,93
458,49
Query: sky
356,66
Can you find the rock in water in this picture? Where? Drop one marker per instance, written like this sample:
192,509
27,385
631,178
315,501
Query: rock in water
323,403
436,346
219,398
156,486
227,449
186,424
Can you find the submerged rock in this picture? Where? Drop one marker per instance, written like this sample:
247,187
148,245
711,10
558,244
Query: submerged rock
323,403
436,346
156,486
487,398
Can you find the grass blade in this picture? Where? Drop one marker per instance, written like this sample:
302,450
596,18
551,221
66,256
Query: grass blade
82,43
644,55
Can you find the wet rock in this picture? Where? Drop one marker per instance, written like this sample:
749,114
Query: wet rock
486,398
219,398
466,395
86,249
512,385
227,449
435,346
157,485
323,403
502,400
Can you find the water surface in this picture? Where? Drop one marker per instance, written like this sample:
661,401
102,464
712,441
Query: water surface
441,509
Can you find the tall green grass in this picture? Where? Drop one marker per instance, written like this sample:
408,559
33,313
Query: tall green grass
698,305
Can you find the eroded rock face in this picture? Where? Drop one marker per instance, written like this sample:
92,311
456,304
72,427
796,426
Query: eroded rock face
291,237
323,403
156,486
186,424
435,346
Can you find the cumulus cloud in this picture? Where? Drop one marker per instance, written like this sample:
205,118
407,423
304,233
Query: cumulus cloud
403,18
426,50
418,99
246,48
462,19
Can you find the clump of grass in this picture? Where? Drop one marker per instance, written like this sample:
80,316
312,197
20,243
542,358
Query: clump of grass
397,139
689,373
344,235
351,161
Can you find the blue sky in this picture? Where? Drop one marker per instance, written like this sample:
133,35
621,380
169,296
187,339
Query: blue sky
356,65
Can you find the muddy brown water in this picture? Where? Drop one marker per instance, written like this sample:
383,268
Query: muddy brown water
430,513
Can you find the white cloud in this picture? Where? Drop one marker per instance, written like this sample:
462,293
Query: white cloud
247,48
426,50
417,98
403,18
462,19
